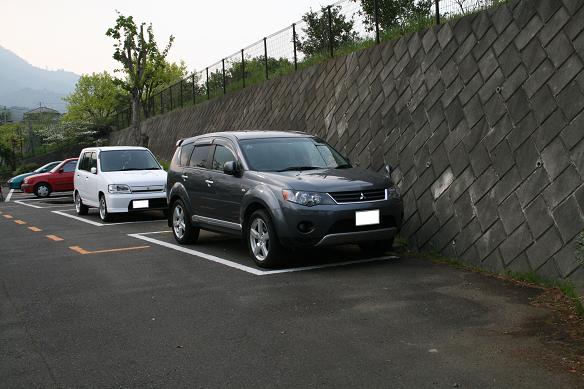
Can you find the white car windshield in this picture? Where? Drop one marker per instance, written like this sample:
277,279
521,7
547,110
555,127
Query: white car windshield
124,160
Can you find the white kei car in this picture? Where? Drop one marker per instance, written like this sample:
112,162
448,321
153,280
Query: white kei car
118,179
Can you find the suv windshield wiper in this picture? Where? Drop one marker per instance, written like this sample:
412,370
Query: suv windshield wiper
291,168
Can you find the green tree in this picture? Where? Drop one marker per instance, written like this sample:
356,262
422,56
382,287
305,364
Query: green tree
159,77
96,98
317,30
137,51
10,144
394,13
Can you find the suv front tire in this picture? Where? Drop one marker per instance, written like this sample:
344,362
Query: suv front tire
262,242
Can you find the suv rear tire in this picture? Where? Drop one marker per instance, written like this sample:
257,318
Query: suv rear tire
182,228
262,242
378,247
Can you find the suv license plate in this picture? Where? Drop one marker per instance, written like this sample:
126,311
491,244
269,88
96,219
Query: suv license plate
140,204
365,218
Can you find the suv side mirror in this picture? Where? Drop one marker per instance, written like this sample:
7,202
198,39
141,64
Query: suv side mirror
93,170
230,167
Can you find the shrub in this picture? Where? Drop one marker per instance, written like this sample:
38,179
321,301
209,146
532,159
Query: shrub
27,167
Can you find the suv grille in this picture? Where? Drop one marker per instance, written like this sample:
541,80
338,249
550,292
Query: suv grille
358,196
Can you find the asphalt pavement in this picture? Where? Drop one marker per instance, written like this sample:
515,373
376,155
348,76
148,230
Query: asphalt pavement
91,304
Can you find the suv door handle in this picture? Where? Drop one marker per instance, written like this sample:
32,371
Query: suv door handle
184,177
209,182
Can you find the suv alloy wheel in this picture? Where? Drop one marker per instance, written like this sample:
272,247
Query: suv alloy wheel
182,228
262,242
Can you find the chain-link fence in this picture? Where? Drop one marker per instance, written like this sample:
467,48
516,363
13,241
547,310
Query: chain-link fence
337,29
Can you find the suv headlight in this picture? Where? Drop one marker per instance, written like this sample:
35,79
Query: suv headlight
308,199
118,189
393,193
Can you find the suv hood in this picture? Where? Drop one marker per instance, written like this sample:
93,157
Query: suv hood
136,177
330,180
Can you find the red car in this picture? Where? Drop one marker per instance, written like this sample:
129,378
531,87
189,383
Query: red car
59,179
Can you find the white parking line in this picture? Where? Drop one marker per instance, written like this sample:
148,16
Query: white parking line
98,224
21,202
45,198
244,268
79,218
9,195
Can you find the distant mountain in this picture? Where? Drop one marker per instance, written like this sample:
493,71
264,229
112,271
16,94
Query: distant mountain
26,85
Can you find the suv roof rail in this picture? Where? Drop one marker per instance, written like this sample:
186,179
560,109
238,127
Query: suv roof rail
179,142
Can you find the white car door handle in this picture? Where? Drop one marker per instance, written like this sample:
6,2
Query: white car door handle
209,182
184,176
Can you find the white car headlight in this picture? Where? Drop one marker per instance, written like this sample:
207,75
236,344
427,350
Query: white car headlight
119,188
308,199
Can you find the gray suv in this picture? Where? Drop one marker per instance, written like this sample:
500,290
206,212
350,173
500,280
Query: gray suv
277,190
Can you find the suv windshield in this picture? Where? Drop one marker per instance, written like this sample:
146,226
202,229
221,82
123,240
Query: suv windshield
123,160
287,154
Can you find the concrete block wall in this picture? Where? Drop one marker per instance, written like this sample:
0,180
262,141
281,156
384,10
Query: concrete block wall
482,119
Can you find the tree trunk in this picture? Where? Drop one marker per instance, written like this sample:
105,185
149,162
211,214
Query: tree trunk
142,139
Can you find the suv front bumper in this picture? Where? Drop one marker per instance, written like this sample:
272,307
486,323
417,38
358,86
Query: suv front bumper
335,224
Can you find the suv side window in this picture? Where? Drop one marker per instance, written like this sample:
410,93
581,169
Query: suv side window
200,156
222,154
185,154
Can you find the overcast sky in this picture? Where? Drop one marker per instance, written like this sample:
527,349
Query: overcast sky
70,34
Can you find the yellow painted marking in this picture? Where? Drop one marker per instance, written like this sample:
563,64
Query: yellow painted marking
79,250
8,216
20,222
55,238
82,251
34,229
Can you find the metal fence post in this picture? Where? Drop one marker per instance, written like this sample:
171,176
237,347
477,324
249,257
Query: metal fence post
161,101
376,13
170,94
193,88
266,57
223,70
243,68
208,94
294,41
437,2
181,93
330,30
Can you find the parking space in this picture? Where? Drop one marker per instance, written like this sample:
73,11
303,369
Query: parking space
150,227
125,294
232,252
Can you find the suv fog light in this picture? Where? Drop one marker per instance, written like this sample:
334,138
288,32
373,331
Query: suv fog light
305,227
